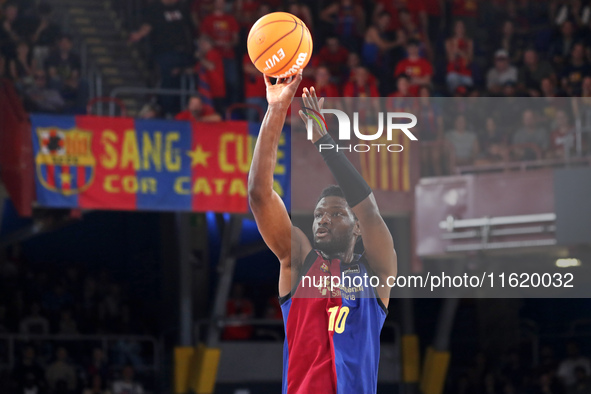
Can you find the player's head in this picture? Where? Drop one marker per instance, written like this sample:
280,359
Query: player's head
335,227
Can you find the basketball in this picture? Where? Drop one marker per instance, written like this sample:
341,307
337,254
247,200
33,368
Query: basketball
279,44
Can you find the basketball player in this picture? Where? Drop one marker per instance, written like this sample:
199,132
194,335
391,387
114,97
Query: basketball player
332,335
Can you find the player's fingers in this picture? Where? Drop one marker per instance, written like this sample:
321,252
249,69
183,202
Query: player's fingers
321,103
306,98
267,80
315,99
304,117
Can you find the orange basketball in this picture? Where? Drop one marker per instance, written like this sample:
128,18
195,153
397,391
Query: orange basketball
279,44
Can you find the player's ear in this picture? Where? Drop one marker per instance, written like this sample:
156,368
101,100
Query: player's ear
357,228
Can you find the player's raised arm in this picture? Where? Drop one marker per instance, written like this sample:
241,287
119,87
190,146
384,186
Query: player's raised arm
269,211
377,240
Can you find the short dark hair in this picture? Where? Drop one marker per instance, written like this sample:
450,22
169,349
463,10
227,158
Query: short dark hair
331,191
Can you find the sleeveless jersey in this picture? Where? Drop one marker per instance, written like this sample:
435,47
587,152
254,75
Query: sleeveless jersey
332,338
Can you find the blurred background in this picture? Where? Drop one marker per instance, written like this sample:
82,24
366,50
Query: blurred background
96,301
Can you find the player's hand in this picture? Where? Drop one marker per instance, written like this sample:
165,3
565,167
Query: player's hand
283,90
311,101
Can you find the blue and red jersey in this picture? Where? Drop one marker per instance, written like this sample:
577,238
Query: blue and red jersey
332,335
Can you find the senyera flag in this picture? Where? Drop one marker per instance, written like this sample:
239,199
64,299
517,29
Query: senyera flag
130,164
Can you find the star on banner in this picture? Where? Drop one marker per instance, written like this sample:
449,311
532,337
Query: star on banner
66,178
198,156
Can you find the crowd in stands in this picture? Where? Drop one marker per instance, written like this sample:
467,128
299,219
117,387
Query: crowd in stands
399,49
50,313
38,56
363,48
511,374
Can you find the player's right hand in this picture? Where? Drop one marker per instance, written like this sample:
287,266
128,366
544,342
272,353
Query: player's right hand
283,90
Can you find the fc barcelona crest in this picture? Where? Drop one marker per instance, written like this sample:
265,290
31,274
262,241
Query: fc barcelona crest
65,163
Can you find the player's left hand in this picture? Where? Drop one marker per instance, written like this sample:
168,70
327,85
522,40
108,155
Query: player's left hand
311,101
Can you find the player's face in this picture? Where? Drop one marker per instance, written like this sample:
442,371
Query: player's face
334,225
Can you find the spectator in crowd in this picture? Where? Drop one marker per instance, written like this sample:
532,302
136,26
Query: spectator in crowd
529,142
492,143
502,73
333,56
61,371
210,66
548,88
46,33
561,47
574,360
418,69
255,91
511,42
27,375
63,64
35,323
97,386
562,137
10,32
149,111
23,66
464,143
322,84
376,51
127,384
532,72
400,101
169,26
41,98
198,111
459,51
223,29
98,365
238,309
360,84
346,19
575,71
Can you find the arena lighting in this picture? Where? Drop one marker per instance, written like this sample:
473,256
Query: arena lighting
568,262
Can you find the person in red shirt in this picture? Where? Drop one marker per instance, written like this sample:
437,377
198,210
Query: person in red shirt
210,59
223,29
322,84
459,49
400,100
332,55
255,91
238,308
198,111
359,85
417,69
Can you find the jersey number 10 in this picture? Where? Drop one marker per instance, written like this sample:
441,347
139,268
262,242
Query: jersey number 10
338,315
